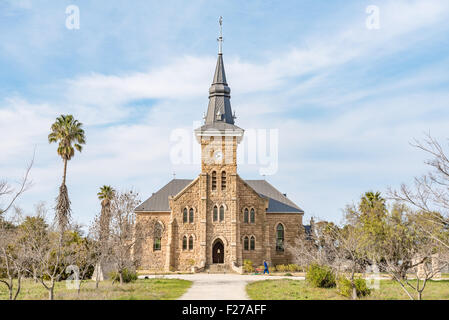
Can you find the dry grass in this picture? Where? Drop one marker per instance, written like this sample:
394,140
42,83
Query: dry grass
148,289
287,289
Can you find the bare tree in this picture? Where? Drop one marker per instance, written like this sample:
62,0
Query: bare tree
341,249
100,246
12,255
430,192
126,232
10,194
49,251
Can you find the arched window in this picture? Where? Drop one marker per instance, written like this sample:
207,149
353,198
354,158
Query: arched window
191,243
252,243
223,180
191,215
215,213
184,243
280,238
246,243
214,180
184,216
245,216
157,237
221,213
252,216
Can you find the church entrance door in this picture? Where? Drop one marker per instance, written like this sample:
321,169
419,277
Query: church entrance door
218,252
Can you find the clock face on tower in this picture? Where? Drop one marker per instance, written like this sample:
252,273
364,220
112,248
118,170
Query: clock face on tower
218,155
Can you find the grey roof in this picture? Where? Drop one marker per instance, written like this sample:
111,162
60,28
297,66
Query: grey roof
278,201
158,202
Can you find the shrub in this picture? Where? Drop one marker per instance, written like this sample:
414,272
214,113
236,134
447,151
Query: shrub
320,276
248,266
288,274
128,276
293,268
345,288
281,268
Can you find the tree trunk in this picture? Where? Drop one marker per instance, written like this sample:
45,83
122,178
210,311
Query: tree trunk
51,290
11,287
65,172
354,289
19,285
35,274
51,294
354,292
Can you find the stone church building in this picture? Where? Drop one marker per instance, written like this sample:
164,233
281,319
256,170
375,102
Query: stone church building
218,218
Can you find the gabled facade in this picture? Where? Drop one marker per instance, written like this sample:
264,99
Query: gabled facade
218,218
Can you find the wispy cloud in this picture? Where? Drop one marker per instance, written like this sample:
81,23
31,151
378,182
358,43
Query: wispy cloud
345,117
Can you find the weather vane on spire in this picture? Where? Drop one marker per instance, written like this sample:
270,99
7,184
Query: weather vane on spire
220,38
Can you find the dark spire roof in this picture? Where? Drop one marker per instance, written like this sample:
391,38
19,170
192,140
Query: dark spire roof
219,109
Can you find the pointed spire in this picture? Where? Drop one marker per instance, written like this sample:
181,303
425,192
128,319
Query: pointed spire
219,109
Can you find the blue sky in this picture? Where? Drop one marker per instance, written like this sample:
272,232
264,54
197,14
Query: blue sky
347,100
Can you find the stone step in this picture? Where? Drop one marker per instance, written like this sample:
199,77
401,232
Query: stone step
218,268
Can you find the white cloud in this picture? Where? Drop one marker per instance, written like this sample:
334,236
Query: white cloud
366,141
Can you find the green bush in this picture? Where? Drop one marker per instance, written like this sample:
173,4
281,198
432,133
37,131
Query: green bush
281,268
128,276
320,276
345,288
248,266
294,268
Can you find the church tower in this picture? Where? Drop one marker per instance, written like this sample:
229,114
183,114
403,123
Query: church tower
219,137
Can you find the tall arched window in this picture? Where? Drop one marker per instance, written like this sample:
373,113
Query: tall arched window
215,214
223,180
191,215
184,243
191,243
214,180
252,243
280,238
245,216
157,237
252,216
184,215
246,243
221,213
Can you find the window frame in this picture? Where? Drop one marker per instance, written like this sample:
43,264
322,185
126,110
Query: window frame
252,243
252,216
184,243
223,180
215,214
221,215
191,215
157,237
214,180
280,240
191,243
246,243
246,215
185,218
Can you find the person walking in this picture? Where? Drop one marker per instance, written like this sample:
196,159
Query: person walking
265,265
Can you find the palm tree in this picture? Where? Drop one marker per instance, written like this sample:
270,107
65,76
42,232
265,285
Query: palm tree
370,198
106,195
68,133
